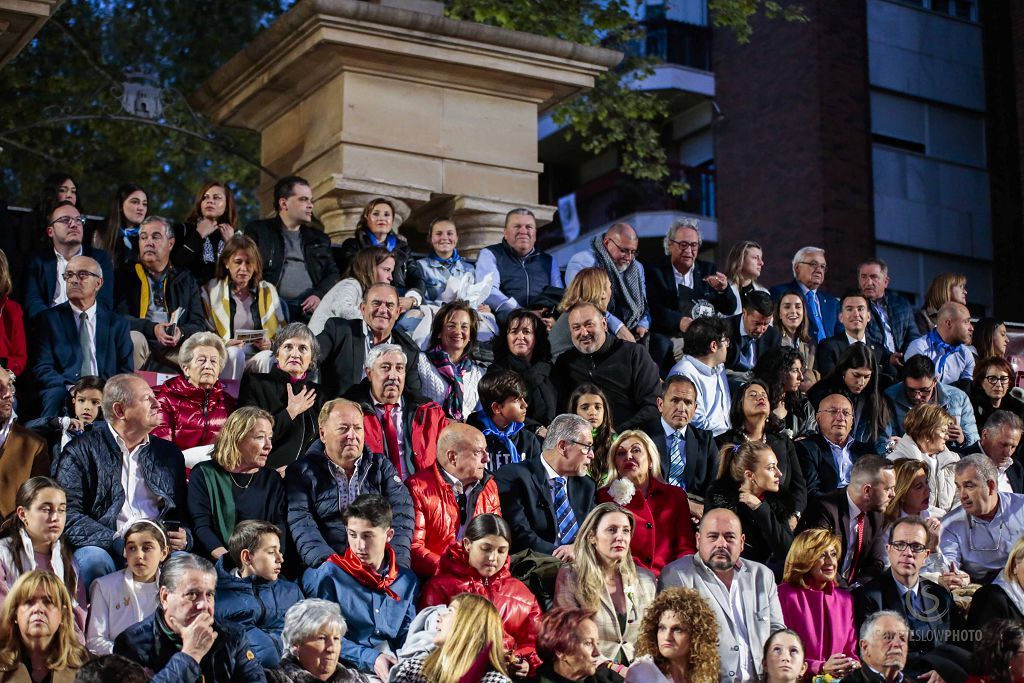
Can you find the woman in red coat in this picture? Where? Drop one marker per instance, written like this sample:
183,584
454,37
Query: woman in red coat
663,530
12,324
479,564
195,405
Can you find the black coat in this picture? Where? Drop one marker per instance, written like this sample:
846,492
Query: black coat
343,351
269,391
766,529
316,248
701,467
623,370
527,504
406,275
188,251
928,629
832,511
671,303
818,465
831,349
181,292
769,341
541,396
789,464
989,603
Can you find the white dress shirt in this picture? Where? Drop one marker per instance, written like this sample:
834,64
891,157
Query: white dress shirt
139,501
683,278
91,324
60,292
851,534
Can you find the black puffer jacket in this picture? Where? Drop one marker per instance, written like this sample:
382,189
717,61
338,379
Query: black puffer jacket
766,529
316,249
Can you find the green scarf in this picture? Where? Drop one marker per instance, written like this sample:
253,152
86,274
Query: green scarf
222,500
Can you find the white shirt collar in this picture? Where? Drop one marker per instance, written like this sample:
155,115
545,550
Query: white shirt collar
120,441
854,510
856,341
91,311
670,430
549,470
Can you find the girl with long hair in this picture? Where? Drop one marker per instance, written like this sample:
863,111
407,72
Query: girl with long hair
120,235
794,327
943,288
522,346
368,267
782,370
590,403
211,222
856,377
743,266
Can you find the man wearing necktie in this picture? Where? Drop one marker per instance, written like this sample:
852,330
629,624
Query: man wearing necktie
809,267
892,317
79,337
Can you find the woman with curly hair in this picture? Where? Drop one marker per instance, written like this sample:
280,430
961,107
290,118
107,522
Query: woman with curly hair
678,641
783,370
37,632
999,655
815,607
590,403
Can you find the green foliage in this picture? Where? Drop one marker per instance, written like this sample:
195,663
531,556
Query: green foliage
737,15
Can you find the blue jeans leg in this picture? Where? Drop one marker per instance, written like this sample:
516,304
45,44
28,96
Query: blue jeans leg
93,562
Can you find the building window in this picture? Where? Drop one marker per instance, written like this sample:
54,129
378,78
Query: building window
961,9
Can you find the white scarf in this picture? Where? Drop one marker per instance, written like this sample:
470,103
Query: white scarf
28,556
1012,590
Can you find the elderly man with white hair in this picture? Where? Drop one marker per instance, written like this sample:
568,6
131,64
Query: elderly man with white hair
312,635
809,267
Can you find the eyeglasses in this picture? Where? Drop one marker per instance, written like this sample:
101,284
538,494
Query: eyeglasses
685,246
902,546
66,221
996,379
924,391
82,275
836,412
997,543
814,265
627,252
585,447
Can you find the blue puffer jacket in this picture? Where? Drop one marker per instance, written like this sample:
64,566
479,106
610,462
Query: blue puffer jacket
229,660
89,469
257,606
314,513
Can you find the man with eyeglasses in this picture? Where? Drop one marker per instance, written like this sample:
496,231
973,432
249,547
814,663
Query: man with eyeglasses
79,337
151,291
978,535
827,456
448,495
809,266
546,499
947,344
927,606
180,641
919,386
44,273
999,440
677,283
616,251
345,344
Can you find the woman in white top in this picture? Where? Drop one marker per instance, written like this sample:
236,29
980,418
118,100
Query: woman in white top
126,597
678,641
448,372
743,267
368,267
927,428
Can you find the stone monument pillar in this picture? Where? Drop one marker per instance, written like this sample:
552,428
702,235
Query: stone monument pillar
365,99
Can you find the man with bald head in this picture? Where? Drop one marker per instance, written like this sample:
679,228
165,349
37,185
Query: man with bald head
947,345
615,251
827,457
741,593
448,495
79,337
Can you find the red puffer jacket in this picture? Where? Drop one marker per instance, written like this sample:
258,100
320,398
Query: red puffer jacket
192,416
517,606
436,515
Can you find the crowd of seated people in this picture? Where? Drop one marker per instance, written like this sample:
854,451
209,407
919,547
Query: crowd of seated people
221,461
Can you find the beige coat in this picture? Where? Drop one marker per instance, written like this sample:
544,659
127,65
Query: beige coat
941,474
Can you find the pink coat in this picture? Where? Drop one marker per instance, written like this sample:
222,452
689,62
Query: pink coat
824,620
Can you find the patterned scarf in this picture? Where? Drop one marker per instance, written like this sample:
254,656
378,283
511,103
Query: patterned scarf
370,578
452,374
127,234
389,243
627,286
449,262
946,350
268,304
505,436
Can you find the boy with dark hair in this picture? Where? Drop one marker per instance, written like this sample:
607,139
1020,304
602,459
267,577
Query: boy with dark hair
250,593
376,596
501,419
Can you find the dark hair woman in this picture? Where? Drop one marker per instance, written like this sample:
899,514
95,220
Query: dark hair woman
120,235
200,239
782,370
590,403
855,376
522,346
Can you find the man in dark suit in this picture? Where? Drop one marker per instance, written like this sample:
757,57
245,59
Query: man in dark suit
827,457
44,282
822,309
675,284
345,343
413,447
999,440
854,514
927,606
854,316
696,453
534,492
751,335
892,323
883,650
79,337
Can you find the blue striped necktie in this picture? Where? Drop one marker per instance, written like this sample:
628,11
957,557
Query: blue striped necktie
677,463
564,516
812,303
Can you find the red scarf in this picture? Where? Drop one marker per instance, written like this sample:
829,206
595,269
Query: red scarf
367,577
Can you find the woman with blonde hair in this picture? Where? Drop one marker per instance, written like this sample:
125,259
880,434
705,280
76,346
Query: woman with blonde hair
37,633
743,267
926,431
815,607
12,323
1004,597
663,530
749,484
469,647
367,267
592,286
678,641
604,578
945,287
236,483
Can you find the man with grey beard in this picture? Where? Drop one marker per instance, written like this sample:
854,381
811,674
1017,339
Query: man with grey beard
742,593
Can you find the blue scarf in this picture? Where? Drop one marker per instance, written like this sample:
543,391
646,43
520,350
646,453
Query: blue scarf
127,234
491,429
447,262
389,243
946,350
